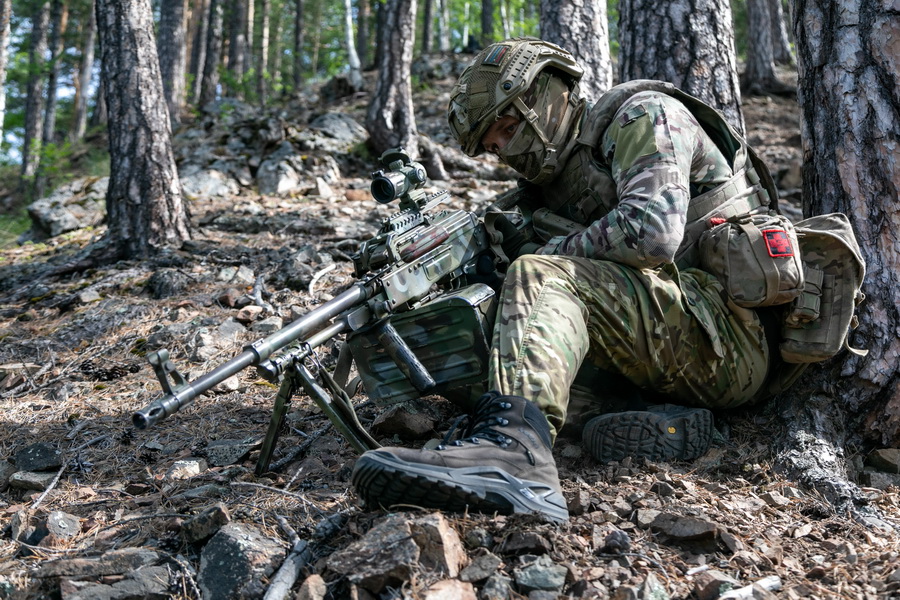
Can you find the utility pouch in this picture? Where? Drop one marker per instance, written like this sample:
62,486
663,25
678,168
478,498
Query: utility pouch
755,257
818,322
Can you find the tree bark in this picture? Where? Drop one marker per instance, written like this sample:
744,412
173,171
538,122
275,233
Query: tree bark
237,46
5,14
362,32
59,18
580,26
444,26
34,99
298,45
172,51
356,80
850,128
781,43
85,72
390,118
690,44
487,23
263,73
427,22
145,211
759,75
210,84
198,48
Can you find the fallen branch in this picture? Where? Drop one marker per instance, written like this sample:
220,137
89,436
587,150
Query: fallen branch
258,287
318,276
279,491
299,556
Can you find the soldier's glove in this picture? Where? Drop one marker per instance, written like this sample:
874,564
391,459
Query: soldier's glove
514,243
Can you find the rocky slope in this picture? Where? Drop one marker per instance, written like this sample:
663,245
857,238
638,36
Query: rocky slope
93,508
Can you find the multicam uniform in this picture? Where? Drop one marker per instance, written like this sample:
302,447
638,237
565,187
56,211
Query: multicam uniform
612,294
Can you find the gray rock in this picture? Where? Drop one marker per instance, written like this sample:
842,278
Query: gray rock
478,537
28,480
114,562
206,524
185,469
63,526
482,566
208,183
879,480
497,587
386,554
340,127
885,459
166,283
148,583
209,490
542,574
711,584
221,453
38,457
281,171
6,471
268,325
241,275
526,542
77,204
410,422
235,561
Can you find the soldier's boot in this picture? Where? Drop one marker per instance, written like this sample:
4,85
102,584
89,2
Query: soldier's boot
663,432
501,463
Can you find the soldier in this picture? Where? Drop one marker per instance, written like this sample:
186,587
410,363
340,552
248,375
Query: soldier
643,170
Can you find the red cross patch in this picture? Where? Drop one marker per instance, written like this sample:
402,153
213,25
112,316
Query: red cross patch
778,243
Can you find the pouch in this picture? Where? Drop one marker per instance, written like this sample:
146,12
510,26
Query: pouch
755,257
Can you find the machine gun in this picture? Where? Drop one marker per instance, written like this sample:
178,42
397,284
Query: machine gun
417,321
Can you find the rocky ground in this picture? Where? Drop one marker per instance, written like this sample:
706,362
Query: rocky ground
93,508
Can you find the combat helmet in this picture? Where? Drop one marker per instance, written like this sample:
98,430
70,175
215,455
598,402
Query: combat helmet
496,80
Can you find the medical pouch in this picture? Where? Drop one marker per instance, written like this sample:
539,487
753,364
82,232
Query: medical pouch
755,257
818,322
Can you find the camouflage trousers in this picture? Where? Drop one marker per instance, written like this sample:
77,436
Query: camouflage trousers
664,330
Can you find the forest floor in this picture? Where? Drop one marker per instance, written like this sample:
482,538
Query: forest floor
72,371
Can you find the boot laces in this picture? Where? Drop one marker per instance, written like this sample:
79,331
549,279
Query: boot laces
480,426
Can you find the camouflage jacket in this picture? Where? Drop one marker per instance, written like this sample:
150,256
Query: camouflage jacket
638,179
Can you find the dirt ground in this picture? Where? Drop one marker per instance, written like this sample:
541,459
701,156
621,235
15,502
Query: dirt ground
72,354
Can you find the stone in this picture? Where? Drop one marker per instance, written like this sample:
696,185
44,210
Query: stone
404,420
62,526
775,499
75,205
711,584
38,457
340,127
87,296
6,471
662,489
221,453
478,537
26,480
235,561
449,589
525,542
386,554
248,314
114,562
208,183
312,588
185,469
208,490
206,524
280,172
147,583
497,587
241,275
323,190
542,574
616,542
579,503
879,480
886,460
483,565
165,283
440,548
268,325
24,527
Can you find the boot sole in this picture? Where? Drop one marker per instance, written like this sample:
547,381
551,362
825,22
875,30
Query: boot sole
685,435
382,479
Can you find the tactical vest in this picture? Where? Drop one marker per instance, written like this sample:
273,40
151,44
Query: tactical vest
584,191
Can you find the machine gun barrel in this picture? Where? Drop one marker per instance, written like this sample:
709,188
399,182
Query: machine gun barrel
184,393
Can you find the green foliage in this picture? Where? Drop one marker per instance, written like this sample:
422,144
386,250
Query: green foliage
13,225
739,14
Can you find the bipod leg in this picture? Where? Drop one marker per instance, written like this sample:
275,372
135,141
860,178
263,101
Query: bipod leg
282,401
337,408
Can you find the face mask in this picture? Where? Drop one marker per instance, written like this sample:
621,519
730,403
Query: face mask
524,152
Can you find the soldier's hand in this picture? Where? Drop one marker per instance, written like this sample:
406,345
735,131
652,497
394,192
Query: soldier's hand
514,243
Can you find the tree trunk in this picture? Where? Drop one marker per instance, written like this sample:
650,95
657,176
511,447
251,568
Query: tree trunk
263,73
5,14
85,72
275,52
580,26
659,41
34,99
781,44
198,49
144,206
298,45
210,85
466,40
504,21
444,26
237,46
172,51
759,75
362,32
59,18
487,23
427,19
356,80
390,118
100,115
